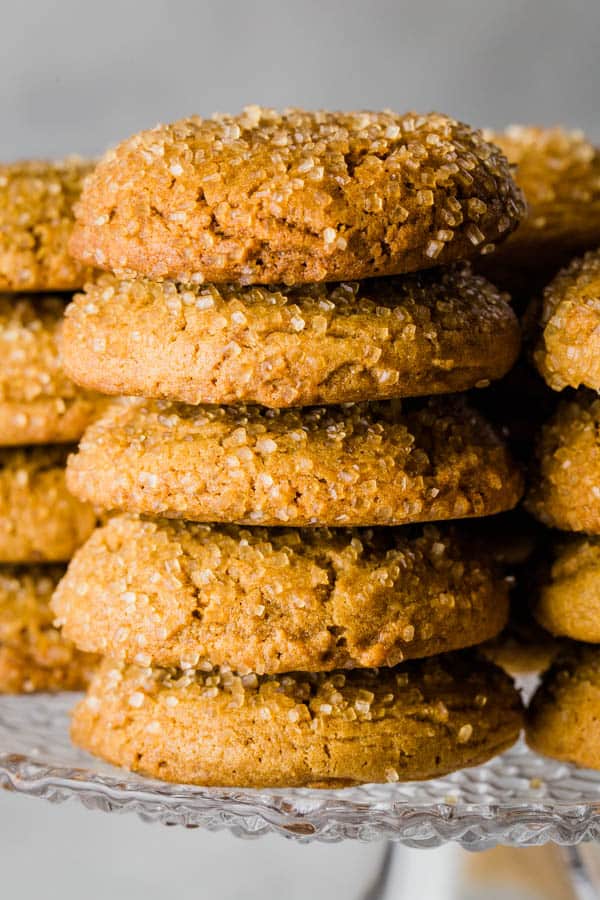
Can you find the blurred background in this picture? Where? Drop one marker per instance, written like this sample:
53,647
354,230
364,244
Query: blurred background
76,77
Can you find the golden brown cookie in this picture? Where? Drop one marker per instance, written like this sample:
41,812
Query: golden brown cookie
295,197
565,491
420,720
568,602
568,353
40,521
563,720
360,464
36,220
167,593
559,173
430,333
38,403
33,654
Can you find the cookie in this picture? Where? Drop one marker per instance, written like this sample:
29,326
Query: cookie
295,197
565,489
361,464
40,521
36,220
38,403
33,654
425,334
559,173
568,353
420,720
568,603
167,593
563,720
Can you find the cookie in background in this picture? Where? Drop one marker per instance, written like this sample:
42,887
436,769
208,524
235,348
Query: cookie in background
564,490
559,174
42,412
36,221
568,349
34,656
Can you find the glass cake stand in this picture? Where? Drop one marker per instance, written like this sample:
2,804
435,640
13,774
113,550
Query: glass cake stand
517,799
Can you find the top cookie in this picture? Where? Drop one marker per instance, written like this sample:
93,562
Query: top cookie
36,219
559,173
568,354
295,197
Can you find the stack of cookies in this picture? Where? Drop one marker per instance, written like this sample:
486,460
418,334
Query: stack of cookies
566,495
560,174
267,573
41,413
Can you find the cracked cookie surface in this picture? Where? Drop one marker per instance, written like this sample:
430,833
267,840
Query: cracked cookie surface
420,720
386,463
435,332
263,600
296,197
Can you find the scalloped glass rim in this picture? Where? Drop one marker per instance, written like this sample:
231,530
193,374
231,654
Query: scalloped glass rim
519,798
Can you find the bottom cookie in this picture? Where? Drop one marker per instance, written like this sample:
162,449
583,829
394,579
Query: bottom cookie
563,720
416,721
33,654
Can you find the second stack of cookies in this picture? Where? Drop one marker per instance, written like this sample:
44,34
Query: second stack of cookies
254,621
42,412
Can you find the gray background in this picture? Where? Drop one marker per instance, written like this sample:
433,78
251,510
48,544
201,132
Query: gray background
77,76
